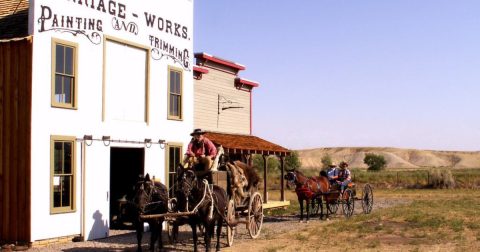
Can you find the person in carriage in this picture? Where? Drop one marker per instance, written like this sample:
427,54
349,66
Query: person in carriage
345,177
332,174
200,150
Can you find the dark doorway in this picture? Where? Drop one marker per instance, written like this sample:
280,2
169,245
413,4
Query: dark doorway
126,166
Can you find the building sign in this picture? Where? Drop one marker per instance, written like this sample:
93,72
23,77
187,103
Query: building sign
160,30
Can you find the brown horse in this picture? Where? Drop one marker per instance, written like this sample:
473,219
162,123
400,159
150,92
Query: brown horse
308,189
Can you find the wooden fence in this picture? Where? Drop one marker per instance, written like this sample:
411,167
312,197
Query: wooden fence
15,140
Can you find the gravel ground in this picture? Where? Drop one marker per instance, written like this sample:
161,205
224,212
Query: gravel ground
121,240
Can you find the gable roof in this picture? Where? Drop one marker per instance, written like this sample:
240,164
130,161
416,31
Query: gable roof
13,18
246,144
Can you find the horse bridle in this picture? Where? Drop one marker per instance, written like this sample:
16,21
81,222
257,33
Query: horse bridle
148,196
292,181
189,185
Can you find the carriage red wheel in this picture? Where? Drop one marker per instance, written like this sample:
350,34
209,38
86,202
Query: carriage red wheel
230,217
255,215
348,202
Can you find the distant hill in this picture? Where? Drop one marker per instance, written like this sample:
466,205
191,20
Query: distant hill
396,158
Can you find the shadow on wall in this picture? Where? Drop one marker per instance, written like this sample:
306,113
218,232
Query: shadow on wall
99,228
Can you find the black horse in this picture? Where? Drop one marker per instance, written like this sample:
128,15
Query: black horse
208,204
150,197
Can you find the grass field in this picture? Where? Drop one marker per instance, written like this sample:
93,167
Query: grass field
463,178
433,220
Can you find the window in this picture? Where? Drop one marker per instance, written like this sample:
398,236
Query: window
174,155
62,178
64,74
174,93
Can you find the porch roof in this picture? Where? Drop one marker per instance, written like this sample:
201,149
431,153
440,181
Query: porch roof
246,144
13,19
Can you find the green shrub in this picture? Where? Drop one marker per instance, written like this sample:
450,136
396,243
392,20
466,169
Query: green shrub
442,179
292,161
326,161
375,162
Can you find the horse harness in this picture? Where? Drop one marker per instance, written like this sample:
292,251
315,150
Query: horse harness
307,189
206,198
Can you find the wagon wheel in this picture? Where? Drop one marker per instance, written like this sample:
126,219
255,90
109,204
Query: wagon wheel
230,217
315,206
333,206
172,228
255,215
348,202
367,199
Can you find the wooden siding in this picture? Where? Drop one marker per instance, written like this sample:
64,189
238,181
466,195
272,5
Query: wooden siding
15,136
206,91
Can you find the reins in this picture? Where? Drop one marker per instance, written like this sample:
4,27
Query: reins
207,196
200,203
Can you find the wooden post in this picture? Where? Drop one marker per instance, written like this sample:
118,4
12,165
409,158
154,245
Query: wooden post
265,165
282,178
248,159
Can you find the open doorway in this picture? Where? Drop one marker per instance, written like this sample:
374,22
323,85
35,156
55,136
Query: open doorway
126,165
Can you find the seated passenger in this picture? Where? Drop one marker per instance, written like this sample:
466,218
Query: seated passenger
345,177
200,150
332,174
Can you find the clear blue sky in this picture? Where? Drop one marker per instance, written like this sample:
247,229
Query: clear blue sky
383,73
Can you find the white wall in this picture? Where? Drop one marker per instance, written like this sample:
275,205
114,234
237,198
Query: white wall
87,119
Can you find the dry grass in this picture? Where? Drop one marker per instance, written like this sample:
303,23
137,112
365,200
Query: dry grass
443,220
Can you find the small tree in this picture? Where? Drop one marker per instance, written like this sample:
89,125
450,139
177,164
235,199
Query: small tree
272,164
326,161
292,161
375,162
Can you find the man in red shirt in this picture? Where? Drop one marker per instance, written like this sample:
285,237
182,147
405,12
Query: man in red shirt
201,150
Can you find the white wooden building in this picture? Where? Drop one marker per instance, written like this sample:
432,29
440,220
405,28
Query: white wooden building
223,108
95,93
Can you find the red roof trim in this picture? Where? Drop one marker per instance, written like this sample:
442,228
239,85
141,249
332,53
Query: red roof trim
200,70
219,61
246,82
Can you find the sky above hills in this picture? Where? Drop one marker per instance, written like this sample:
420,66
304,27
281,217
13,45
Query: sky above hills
387,73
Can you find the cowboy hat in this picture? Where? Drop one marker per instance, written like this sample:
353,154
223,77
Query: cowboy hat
198,131
332,165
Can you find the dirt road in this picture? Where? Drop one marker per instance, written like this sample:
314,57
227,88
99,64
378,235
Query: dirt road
279,227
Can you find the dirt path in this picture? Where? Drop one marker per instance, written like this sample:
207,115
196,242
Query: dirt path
279,227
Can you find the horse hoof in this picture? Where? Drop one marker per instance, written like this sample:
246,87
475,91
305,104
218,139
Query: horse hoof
328,219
